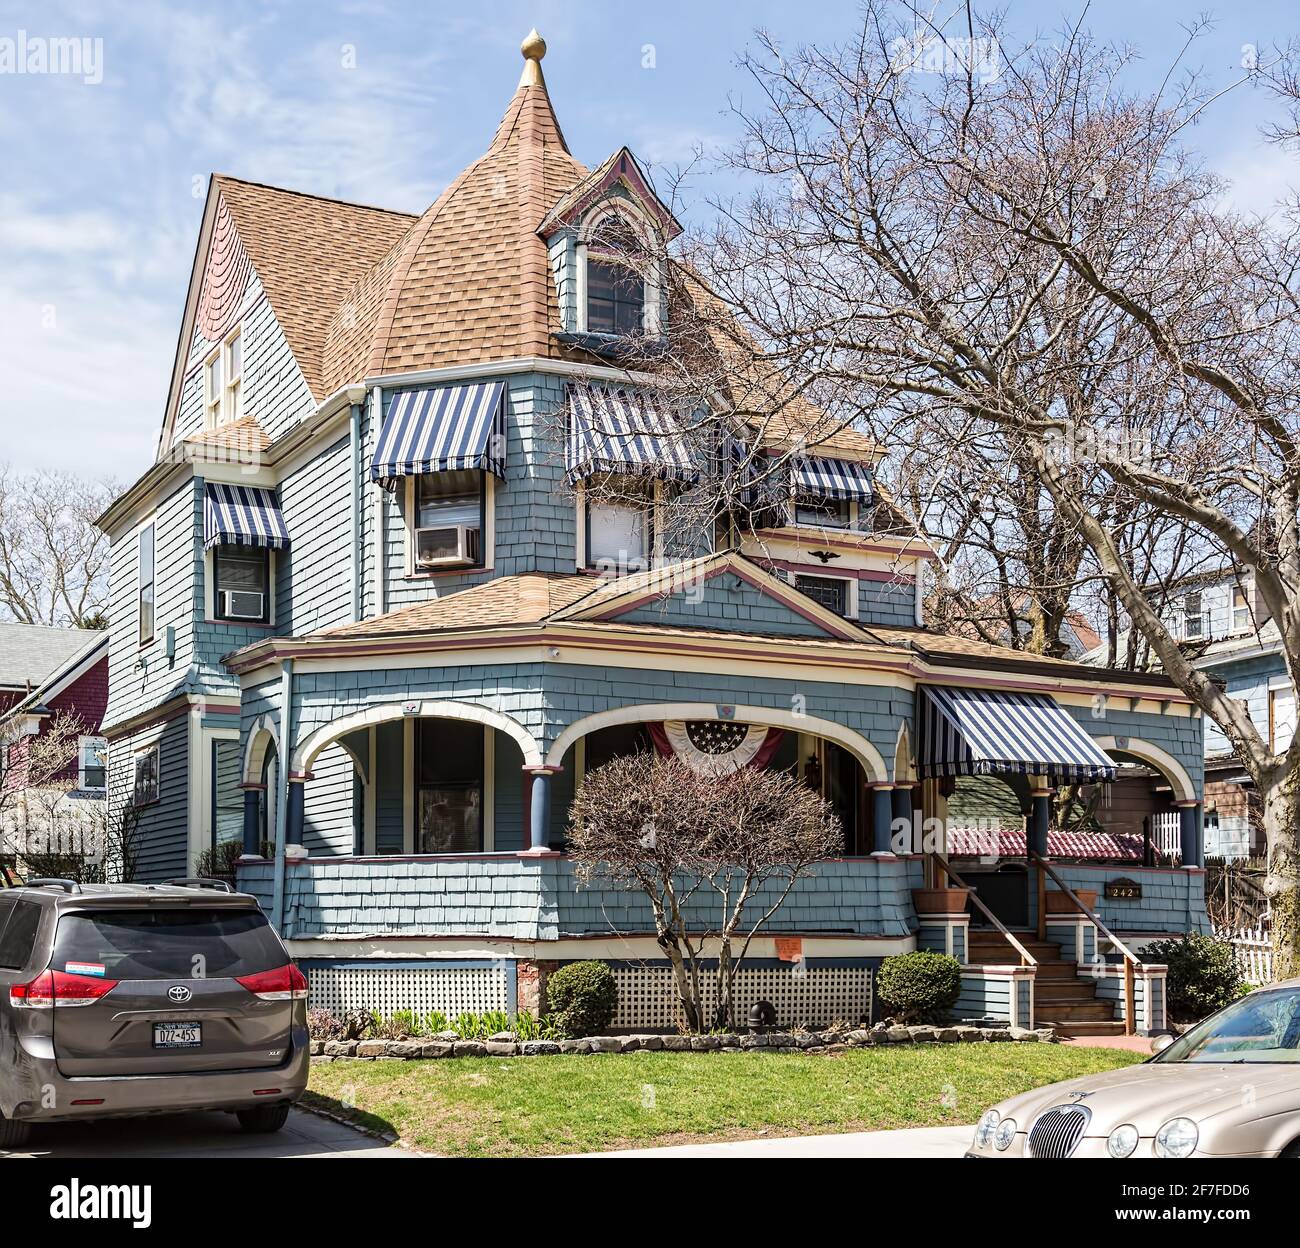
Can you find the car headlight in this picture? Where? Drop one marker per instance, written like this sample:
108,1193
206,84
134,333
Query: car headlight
1005,1133
1123,1140
1177,1138
985,1128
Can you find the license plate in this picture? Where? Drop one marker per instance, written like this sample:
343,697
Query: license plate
177,1035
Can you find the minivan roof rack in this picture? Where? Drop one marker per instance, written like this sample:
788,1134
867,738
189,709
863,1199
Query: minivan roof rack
200,881
50,881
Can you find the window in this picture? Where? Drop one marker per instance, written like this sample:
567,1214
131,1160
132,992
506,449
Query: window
1193,619
620,535
615,299
144,580
145,789
227,793
450,515
831,591
1281,718
18,935
1240,610
822,512
242,583
92,767
449,787
223,382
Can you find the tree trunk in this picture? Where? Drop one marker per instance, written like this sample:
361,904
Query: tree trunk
1282,884
687,987
724,1016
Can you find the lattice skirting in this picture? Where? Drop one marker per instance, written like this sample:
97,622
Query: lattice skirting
824,995
386,989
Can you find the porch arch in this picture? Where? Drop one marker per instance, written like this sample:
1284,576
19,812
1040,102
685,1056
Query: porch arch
1164,762
307,750
262,738
856,744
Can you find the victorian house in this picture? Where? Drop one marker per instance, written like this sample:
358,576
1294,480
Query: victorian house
373,623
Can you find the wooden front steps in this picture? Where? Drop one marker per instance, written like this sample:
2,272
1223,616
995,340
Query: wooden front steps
1063,999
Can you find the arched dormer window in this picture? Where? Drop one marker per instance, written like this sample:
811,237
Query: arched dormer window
620,291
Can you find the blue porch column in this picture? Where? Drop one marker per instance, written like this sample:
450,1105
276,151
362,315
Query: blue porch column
1040,818
1190,837
293,828
539,809
902,810
253,795
882,814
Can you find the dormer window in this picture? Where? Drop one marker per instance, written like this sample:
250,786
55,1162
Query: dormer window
223,382
615,299
818,512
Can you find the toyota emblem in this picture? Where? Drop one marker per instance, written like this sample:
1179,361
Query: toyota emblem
179,993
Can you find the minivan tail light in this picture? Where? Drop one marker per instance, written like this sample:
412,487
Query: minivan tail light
285,983
51,988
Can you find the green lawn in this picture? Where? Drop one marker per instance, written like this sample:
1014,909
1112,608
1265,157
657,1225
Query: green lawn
509,1107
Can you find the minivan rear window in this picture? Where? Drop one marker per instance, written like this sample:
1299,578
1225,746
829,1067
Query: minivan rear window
166,944
18,935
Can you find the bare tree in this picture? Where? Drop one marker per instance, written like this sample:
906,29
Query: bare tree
715,855
53,561
37,819
1000,258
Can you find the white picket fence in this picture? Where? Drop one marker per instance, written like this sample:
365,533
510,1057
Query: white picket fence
1254,952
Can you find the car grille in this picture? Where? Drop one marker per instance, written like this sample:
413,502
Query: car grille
1058,1130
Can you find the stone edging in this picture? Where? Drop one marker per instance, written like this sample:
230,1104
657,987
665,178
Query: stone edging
505,1044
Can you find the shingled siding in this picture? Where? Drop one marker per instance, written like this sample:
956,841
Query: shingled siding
1173,900
1179,735
160,830
329,804
510,897
886,602
729,604
313,578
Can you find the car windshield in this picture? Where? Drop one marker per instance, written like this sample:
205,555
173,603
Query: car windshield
166,944
1262,1027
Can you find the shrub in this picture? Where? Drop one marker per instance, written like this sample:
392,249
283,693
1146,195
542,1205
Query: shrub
583,998
919,987
322,1025
1203,974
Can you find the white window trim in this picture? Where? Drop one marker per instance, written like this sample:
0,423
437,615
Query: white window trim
852,592
487,539
154,747
149,522
82,742
203,785
221,409
655,509
652,310
210,592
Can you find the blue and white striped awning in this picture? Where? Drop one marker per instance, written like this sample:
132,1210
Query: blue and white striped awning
986,732
242,515
833,478
625,431
454,427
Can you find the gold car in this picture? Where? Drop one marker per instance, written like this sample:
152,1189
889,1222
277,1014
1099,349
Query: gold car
1229,1087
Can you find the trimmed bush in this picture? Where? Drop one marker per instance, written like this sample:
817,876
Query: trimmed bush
919,987
582,997
1204,975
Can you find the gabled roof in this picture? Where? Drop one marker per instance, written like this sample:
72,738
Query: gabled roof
31,654
620,169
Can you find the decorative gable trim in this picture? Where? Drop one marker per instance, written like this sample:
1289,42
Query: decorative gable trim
621,169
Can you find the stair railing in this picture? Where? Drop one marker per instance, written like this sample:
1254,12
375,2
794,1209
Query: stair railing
1131,960
1026,958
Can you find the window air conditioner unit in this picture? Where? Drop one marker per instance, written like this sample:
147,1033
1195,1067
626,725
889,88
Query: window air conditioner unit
243,604
450,546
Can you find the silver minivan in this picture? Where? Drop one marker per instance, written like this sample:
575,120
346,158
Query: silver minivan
126,999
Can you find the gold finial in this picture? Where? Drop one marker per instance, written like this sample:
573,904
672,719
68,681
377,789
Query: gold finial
533,48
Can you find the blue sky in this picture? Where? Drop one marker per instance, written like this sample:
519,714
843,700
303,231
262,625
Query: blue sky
383,103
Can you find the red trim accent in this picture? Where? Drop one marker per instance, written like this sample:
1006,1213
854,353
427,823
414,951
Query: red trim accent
256,788
818,569
301,777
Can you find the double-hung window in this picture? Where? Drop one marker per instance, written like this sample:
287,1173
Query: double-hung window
145,789
1193,617
92,764
620,529
449,520
223,382
1240,610
242,583
145,584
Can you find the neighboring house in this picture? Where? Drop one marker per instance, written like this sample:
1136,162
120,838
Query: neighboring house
1076,634
48,675
366,606
1226,630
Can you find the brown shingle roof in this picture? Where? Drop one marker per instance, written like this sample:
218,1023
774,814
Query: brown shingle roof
308,253
245,437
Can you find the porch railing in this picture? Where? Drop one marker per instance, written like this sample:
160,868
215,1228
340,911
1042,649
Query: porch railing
1166,833
1131,960
1026,958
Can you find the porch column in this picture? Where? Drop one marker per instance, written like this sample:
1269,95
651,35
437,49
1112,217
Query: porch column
902,809
539,808
1189,828
882,814
1040,819
253,795
293,827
